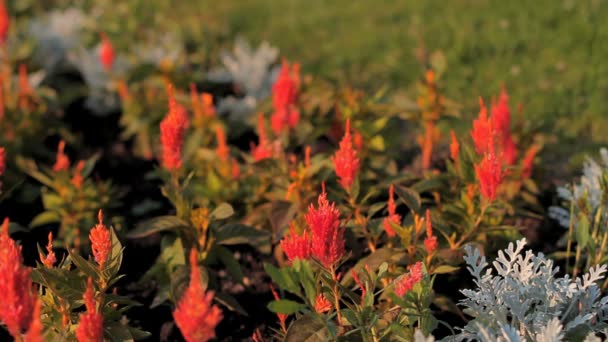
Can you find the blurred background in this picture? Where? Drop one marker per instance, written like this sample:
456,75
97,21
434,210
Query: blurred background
549,54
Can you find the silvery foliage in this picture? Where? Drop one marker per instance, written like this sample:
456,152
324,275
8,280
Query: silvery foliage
101,98
55,35
525,301
588,192
252,71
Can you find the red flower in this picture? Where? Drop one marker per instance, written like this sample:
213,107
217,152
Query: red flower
172,130
235,169
50,258
454,146
430,242
327,235
501,122
195,315
62,161
406,283
284,97
263,150
282,317
35,331
90,327
322,304
528,161
16,295
4,22
392,213
483,132
222,150
489,174
101,241
345,160
296,246
106,52
2,161
78,179
360,284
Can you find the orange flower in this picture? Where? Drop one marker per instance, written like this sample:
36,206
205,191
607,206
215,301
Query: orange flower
327,235
483,131
501,121
235,169
16,295
322,304
392,213
454,147
90,327
172,130
345,160
62,161
263,150
208,108
106,52
78,179
195,315
25,89
528,161
222,150
35,331
426,142
101,241
406,283
50,258
430,242
4,22
489,174
296,246
282,317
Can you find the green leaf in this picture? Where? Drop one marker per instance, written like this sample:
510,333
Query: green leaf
44,218
237,234
307,329
285,306
410,197
284,277
115,261
445,269
232,265
155,225
373,261
222,211
229,302
87,267
582,230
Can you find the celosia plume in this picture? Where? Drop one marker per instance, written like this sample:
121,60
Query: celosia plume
50,258
489,174
62,162
483,131
322,304
16,295
35,331
106,52
501,122
101,241
345,160
4,22
406,283
222,150
528,161
78,178
430,242
392,213
427,141
284,97
263,149
195,314
282,317
90,327
296,246
172,130
454,146
235,169
207,106
327,235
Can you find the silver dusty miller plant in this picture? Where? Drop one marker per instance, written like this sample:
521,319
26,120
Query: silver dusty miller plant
525,301
589,194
